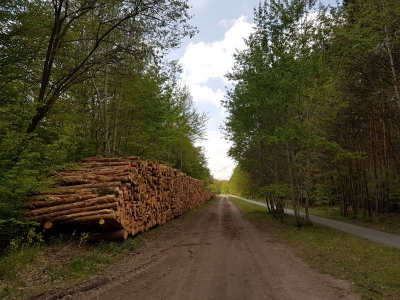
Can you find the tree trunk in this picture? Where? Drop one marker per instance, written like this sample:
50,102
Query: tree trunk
308,184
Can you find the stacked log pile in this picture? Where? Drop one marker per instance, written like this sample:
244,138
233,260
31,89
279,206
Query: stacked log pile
118,193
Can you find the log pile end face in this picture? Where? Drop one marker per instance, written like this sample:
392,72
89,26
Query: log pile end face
124,193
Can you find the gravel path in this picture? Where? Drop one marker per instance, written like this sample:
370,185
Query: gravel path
366,233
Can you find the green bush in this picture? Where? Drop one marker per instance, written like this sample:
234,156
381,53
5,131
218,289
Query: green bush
22,175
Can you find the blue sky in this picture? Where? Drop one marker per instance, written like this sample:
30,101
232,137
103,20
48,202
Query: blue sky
223,24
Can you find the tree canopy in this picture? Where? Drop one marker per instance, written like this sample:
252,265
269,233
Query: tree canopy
81,78
314,104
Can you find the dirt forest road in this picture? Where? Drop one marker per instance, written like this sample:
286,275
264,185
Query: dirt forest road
216,254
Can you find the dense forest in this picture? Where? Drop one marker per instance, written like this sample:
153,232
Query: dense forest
82,78
314,111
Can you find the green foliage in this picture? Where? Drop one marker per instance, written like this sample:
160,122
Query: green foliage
241,184
315,104
276,190
323,195
103,89
225,187
277,101
216,186
18,181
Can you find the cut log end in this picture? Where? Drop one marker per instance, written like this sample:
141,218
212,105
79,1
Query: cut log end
123,196
48,225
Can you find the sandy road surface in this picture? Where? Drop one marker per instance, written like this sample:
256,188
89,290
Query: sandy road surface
217,254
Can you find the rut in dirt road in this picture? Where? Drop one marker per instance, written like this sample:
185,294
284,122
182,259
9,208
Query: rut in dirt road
218,254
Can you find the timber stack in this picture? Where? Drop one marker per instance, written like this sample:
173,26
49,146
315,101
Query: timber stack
124,194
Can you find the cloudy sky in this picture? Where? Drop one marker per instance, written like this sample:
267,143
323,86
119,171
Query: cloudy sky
206,58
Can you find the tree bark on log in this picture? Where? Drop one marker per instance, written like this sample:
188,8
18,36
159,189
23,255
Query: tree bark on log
98,213
143,194
68,203
58,213
86,219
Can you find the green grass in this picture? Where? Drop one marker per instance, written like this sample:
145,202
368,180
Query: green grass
387,223
16,261
373,269
31,270
91,261
11,266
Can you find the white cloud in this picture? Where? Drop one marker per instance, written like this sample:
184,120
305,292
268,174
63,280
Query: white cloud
216,148
229,23
202,61
203,93
225,23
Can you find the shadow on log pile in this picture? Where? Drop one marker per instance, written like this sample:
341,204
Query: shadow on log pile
124,194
